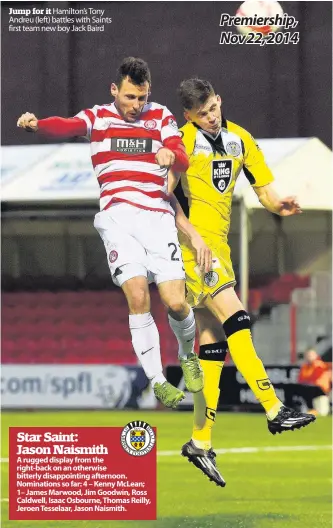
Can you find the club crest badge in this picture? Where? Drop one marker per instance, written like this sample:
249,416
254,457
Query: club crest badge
137,438
113,256
211,278
233,149
150,124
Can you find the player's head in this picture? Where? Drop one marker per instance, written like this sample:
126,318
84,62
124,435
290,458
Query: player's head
201,105
131,88
310,355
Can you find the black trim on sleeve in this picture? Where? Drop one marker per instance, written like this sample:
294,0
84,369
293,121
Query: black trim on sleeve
182,199
249,175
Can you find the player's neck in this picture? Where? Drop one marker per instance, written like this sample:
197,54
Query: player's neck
214,137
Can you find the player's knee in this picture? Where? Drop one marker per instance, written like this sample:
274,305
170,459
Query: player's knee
177,305
138,302
322,405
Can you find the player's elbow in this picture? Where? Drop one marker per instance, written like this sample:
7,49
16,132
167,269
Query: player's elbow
185,163
182,163
269,204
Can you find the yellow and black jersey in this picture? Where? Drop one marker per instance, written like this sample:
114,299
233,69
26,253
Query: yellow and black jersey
215,164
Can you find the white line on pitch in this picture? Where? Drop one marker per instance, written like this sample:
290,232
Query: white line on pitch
241,450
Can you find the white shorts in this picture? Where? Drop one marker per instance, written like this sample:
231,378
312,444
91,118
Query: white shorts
139,242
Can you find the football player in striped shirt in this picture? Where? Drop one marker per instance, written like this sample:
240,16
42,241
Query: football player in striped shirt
218,150
133,143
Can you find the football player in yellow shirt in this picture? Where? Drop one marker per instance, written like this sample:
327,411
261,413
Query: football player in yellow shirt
218,150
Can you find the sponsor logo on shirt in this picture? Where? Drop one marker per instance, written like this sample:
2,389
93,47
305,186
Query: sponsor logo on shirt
199,148
172,123
132,145
221,174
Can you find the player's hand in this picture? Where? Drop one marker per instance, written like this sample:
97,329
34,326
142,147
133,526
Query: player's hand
289,206
165,158
204,254
28,121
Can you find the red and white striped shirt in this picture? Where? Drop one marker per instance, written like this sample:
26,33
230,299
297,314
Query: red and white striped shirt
123,155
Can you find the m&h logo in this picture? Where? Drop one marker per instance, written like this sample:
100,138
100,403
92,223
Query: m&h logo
131,145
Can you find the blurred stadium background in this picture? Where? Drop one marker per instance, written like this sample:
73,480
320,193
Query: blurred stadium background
65,338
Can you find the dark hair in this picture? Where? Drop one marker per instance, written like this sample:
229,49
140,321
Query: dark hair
194,93
136,69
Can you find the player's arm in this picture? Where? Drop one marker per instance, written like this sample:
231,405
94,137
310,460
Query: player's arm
271,200
204,254
301,376
182,222
173,180
261,178
176,147
173,153
325,381
57,127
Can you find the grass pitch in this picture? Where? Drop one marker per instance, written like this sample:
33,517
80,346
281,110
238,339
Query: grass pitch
283,488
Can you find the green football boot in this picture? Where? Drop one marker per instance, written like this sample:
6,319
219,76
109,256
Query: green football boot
167,394
193,373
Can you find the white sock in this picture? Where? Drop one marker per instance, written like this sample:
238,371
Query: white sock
146,344
185,333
